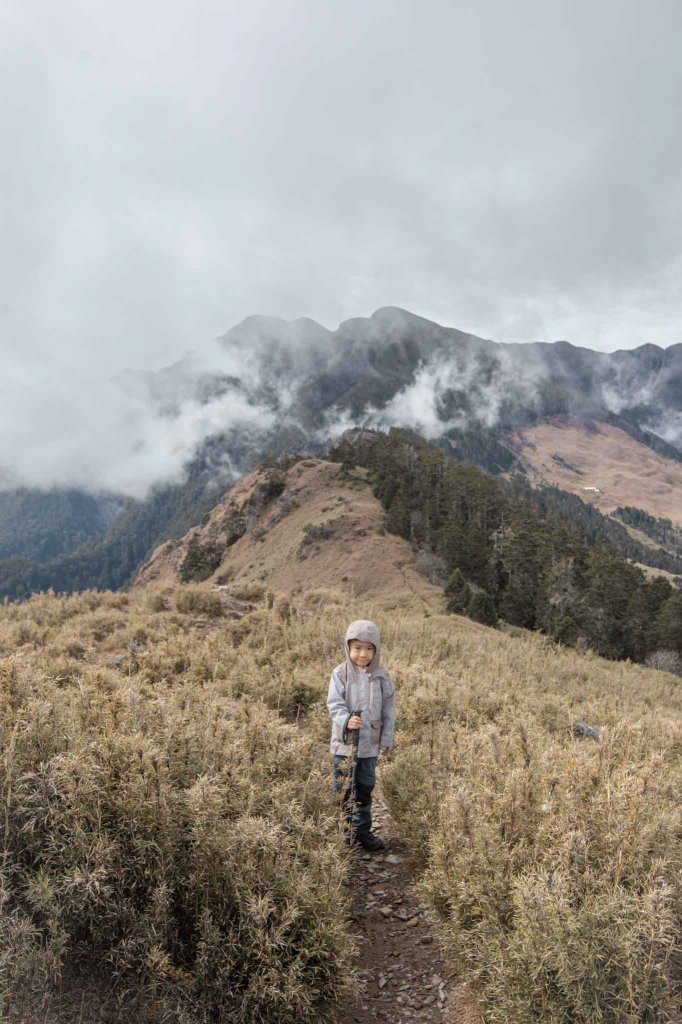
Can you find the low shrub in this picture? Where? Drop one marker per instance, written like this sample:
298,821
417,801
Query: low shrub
556,870
199,602
665,661
313,533
156,602
245,591
201,560
163,794
552,862
432,566
172,843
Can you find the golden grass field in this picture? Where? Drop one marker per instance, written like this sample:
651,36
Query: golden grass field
604,456
171,851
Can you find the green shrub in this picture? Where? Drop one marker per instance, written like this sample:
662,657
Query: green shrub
234,525
201,560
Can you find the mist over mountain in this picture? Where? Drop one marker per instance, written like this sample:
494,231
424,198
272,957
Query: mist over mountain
167,443
300,381
269,383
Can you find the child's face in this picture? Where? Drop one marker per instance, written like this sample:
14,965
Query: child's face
361,653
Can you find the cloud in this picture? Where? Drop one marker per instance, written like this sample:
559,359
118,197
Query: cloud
514,170
96,436
170,168
477,390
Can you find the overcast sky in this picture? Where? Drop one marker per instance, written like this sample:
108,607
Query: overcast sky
168,168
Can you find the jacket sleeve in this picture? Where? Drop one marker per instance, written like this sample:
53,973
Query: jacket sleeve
336,704
387,713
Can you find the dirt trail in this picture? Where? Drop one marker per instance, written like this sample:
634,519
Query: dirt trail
400,968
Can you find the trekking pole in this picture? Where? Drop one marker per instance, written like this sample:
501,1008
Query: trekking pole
352,767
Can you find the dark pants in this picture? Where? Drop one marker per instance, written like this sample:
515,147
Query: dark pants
359,816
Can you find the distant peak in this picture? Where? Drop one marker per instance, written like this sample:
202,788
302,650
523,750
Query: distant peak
276,328
397,313
261,318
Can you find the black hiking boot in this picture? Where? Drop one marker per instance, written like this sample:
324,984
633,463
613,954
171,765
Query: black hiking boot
368,841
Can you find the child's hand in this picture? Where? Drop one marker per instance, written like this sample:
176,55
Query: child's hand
387,752
354,722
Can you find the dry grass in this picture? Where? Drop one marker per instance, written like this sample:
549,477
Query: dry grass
325,531
626,472
164,832
553,863
167,825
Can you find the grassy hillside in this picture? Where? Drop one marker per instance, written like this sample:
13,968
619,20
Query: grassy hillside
170,851
309,526
576,454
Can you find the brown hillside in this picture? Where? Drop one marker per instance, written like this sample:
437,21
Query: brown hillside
324,531
574,455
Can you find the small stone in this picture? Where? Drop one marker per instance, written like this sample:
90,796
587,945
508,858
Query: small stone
383,982
386,911
392,858
413,922
583,731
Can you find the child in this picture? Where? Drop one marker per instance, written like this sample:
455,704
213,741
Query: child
361,684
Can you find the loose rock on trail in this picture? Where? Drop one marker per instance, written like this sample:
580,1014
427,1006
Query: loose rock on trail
400,969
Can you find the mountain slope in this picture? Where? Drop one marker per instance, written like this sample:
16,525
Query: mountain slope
323,529
601,464
42,525
269,386
427,523
395,364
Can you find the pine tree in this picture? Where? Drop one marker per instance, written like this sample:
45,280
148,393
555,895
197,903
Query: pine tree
458,594
668,630
482,608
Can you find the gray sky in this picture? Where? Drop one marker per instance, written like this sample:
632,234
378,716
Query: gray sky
168,168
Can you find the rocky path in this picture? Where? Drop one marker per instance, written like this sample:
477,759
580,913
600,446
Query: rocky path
401,972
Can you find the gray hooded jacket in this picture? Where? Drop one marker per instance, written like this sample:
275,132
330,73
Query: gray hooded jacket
371,691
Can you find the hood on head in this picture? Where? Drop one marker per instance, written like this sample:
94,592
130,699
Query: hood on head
363,629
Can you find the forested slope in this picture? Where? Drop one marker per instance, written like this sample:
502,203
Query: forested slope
502,557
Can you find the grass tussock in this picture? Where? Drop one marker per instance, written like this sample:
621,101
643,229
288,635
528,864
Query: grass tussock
161,832
168,823
553,863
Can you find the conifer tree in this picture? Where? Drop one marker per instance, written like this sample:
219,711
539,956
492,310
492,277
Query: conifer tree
482,608
458,593
668,630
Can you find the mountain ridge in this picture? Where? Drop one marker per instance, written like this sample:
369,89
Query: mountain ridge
279,387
